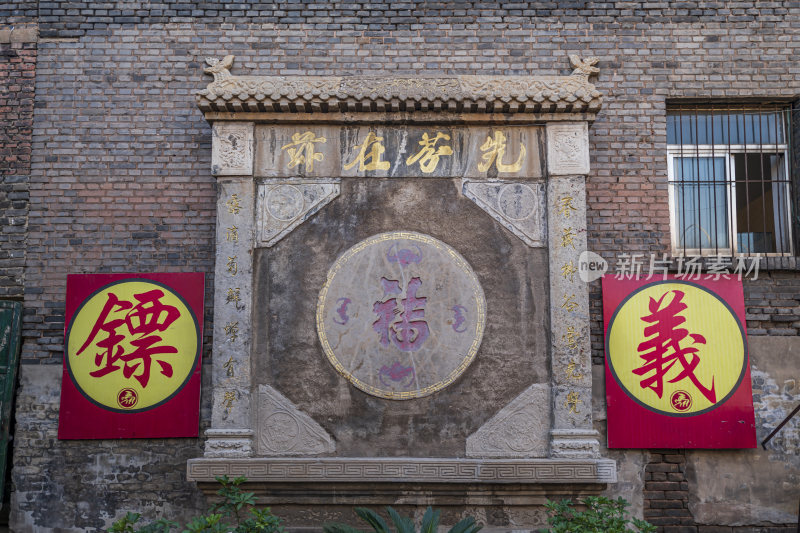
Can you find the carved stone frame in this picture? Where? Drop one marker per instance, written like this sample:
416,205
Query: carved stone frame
234,105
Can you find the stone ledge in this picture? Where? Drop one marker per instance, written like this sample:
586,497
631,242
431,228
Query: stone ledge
405,470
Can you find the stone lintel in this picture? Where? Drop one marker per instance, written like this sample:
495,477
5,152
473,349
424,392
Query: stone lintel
405,470
232,148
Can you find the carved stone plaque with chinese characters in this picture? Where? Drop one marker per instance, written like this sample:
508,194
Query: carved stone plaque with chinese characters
401,315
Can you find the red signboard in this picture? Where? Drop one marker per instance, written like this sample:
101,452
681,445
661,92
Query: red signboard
132,345
677,366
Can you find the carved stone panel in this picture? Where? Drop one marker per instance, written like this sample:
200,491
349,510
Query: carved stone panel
520,429
232,149
284,205
401,315
568,149
519,207
323,150
282,429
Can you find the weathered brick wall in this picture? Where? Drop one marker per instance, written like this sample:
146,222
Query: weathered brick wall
17,81
120,177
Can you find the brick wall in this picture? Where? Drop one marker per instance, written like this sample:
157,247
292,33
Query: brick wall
17,81
120,169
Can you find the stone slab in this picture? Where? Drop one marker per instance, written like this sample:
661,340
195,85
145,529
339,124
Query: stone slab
567,149
519,429
282,429
404,470
398,151
285,204
232,149
518,207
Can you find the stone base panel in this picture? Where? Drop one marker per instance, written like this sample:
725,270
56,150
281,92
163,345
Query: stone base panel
406,470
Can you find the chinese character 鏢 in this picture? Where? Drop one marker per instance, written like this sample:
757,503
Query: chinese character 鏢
233,204
494,152
429,155
403,323
301,150
143,321
670,351
572,402
374,144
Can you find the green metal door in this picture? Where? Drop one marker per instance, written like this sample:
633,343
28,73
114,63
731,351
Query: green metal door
10,332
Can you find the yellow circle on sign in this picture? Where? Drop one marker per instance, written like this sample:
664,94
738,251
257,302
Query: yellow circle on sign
676,348
132,345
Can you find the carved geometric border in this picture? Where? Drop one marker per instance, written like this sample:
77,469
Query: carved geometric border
406,470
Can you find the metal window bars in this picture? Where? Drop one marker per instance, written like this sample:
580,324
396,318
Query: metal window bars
730,170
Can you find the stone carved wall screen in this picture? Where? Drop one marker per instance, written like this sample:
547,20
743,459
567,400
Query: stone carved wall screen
274,160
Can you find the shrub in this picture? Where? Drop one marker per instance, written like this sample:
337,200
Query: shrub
602,515
402,524
235,504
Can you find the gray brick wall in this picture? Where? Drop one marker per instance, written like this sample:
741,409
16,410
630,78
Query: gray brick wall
120,171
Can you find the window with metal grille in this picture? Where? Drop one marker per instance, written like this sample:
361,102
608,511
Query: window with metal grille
729,179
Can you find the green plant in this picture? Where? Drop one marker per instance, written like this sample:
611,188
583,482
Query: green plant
602,515
402,524
235,504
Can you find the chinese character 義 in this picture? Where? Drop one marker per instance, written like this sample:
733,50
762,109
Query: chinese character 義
666,345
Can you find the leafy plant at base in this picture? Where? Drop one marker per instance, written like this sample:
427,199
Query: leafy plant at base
602,515
402,524
235,504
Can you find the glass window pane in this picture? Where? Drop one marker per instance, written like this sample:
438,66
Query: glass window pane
762,210
701,202
726,126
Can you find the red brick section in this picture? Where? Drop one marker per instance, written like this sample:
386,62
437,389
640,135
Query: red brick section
17,77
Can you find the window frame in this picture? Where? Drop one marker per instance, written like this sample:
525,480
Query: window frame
726,151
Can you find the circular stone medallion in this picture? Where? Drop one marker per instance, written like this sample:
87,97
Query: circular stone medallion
401,315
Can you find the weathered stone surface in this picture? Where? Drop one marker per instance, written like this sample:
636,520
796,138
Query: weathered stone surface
571,93
401,470
519,207
233,277
289,357
569,321
519,429
284,205
436,151
401,315
567,149
282,429
232,149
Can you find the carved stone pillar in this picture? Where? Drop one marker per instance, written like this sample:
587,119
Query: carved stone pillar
231,432
571,434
